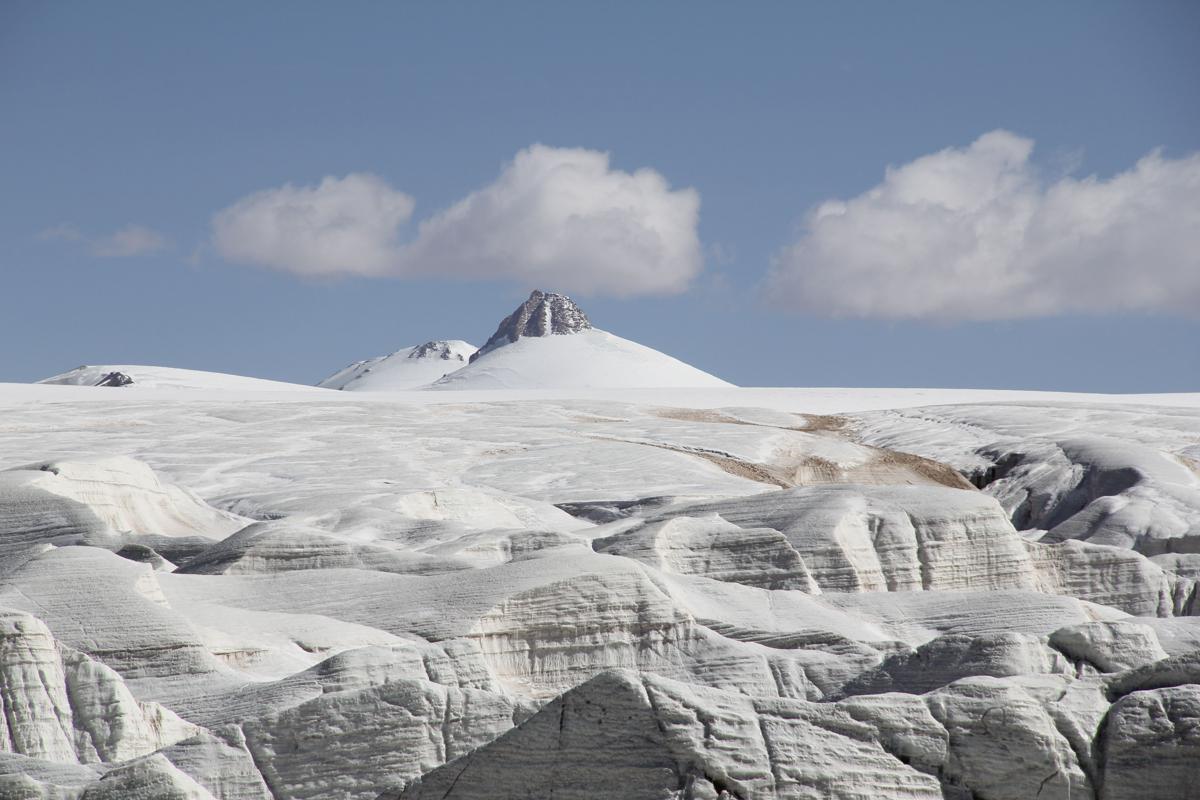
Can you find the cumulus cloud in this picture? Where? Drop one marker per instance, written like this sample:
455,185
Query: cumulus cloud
132,240
557,217
563,217
976,234
340,226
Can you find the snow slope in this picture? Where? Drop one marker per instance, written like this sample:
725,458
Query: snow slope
407,368
814,400
546,343
167,378
589,358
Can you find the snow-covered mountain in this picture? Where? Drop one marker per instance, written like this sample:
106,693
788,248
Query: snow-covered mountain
588,359
548,343
407,368
131,376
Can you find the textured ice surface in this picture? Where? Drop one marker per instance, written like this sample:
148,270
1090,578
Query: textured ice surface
259,595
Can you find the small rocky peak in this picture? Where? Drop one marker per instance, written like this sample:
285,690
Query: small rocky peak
543,314
440,349
114,379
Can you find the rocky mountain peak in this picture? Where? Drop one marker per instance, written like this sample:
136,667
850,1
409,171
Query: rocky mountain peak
438,349
543,314
114,379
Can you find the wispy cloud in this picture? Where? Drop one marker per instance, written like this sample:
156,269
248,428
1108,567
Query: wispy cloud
61,232
132,240
126,242
560,217
976,233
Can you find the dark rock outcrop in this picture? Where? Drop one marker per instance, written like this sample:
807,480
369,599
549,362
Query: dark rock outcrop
543,314
114,379
438,349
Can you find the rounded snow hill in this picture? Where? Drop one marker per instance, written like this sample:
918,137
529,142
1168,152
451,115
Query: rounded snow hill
408,368
589,358
133,376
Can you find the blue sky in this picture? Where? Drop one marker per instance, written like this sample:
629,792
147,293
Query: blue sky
127,126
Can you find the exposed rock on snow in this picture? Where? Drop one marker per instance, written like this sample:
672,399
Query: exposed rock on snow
147,377
543,314
407,368
548,342
115,379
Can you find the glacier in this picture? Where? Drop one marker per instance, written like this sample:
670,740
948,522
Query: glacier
233,592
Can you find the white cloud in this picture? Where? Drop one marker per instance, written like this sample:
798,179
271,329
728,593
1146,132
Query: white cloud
132,240
976,234
555,217
341,226
564,218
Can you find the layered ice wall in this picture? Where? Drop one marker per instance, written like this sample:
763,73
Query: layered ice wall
352,597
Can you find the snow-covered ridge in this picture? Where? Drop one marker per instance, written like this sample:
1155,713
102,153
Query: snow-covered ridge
546,343
407,368
590,358
137,376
